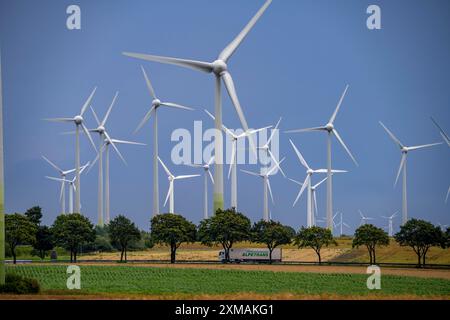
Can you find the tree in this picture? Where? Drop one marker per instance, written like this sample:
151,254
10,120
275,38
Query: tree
272,234
370,236
34,214
122,232
72,231
420,235
44,241
173,230
314,238
19,230
226,227
446,239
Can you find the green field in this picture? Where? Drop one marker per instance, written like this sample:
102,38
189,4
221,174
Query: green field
171,281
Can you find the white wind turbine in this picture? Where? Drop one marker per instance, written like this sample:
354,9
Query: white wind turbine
307,184
447,140
172,178
331,130
364,219
207,172
390,223
341,224
101,130
266,147
63,174
72,187
156,104
78,121
220,70
266,184
233,160
404,150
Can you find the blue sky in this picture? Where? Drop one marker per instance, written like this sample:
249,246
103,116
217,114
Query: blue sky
295,64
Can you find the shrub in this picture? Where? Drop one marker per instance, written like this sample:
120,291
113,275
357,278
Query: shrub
19,285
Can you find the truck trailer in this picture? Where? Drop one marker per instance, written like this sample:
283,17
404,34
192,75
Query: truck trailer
251,255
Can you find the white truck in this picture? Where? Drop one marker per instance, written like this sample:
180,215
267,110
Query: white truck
251,255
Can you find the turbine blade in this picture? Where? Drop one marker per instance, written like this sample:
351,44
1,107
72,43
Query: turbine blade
252,173
344,146
55,179
111,142
423,146
229,85
59,119
211,161
128,142
95,115
61,192
333,117
270,190
233,152
175,105
191,64
315,202
53,165
394,138
186,176
306,130
276,165
442,132
149,84
109,109
86,131
319,183
295,181
231,48
299,156
446,197
276,162
304,185
168,193
402,162
256,130
164,166
145,119
211,176
88,101
346,225
273,132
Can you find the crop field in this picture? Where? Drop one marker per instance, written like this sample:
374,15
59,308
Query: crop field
165,282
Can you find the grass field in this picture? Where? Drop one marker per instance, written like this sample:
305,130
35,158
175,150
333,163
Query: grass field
191,282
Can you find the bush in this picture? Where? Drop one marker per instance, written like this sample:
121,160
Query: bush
19,285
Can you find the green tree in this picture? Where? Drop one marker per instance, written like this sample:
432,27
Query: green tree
370,236
272,234
173,230
44,242
420,235
71,231
226,227
34,214
446,240
19,230
314,238
122,232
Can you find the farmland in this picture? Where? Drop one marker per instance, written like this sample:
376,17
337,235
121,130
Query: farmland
164,282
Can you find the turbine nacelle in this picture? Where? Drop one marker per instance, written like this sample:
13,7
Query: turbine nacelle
156,103
329,127
309,171
404,149
101,129
78,120
219,66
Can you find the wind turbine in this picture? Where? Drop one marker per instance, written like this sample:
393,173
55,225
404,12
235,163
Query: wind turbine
266,184
233,163
307,184
220,70
390,225
101,130
172,178
71,183
156,104
364,219
79,123
447,140
314,198
2,189
331,130
206,167
341,224
404,150
63,174
266,147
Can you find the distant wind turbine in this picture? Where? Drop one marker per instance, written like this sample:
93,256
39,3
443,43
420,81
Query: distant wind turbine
447,140
79,123
341,224
364,219
206,167
266,147
331,130
404,150
390,225
220,70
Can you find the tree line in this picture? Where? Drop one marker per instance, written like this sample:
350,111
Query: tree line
226,228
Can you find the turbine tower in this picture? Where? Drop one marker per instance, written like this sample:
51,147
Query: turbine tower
220,70
156,103
101,130
79,123
404,150
206,167
364,219
331,130
2,190
307,184
390,225
233,162
266,185
63,174
172,178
